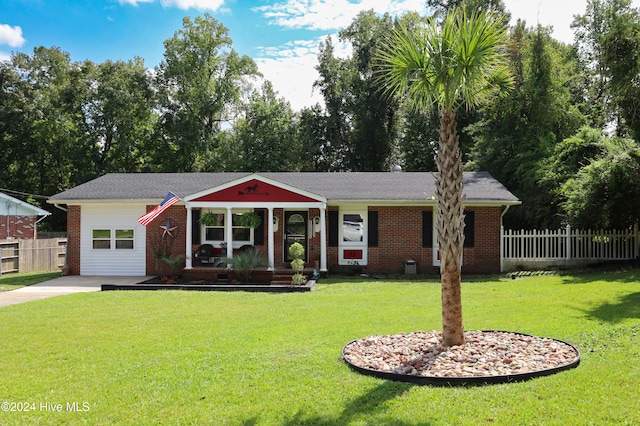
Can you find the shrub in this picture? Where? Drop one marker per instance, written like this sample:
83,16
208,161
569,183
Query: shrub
244,262
296,250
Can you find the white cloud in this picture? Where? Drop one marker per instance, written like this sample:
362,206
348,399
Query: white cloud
293,79
558,14
330,14
291,69
135,2
194,4
181,4
5,57
11,36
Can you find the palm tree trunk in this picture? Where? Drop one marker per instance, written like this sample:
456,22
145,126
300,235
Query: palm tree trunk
450,227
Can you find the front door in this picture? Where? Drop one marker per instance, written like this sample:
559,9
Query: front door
295,231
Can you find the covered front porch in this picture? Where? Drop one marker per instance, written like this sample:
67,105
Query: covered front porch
288,215
223,275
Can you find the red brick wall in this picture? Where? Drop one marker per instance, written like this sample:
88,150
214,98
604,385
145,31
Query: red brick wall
177,215
484,257
19,227
73,239
399,238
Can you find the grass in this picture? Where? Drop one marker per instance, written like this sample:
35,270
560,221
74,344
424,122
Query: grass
14,281
247,358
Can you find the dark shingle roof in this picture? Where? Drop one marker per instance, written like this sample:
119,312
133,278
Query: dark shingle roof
351,186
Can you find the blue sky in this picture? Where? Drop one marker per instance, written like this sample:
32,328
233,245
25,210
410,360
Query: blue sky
282,36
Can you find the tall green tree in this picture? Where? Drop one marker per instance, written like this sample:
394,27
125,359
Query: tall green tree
44,148
442,7
606,192
569,156
621,48
519,131
458,64
606,38
360,123
119,115
266,135
312,134
201,81
373,115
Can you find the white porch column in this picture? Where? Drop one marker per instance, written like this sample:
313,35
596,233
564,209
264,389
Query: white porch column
323,239
270,239
189,261
228,229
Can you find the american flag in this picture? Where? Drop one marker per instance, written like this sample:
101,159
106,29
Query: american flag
168,201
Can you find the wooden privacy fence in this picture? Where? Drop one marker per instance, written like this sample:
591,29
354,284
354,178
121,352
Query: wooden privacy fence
566,246
32,255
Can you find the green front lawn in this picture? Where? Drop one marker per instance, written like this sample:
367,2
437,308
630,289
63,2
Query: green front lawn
14,281
249,358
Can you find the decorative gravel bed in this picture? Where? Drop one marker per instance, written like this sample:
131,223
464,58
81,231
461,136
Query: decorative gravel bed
486,357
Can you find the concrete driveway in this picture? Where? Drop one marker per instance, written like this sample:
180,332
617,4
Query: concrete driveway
60,286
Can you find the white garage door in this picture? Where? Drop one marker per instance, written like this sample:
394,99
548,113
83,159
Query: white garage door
112,242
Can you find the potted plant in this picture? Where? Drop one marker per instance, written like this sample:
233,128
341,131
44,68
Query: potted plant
249,219
296,251
210,219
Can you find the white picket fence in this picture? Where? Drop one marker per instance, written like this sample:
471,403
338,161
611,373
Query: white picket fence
566,247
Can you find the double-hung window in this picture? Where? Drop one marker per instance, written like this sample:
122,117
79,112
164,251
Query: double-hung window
107,239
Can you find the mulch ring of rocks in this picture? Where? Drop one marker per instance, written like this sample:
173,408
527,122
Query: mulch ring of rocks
487,357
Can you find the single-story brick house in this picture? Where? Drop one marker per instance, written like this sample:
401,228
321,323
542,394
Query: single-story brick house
376,220
18,219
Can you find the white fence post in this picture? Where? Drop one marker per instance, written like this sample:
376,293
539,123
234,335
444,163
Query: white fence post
568,243
568,246
502,245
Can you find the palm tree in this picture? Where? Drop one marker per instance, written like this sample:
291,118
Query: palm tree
459,62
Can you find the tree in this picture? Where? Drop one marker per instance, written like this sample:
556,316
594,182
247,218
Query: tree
442,7
608,45
518,132
359,122
44,148
119,115
621,48
458,64
606,192
266,135
201,81
569,156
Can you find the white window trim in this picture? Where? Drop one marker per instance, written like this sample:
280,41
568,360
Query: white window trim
352,245
227,222
113,239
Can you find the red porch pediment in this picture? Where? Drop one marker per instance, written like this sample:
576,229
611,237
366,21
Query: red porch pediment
256,190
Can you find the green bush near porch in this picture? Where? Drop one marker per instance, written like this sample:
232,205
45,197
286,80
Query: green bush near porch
249,358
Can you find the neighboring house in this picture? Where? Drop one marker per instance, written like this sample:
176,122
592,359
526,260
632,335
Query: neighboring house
19,220
376,220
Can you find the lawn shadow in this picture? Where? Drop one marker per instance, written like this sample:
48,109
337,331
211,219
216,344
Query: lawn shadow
625,273
627,306
372,401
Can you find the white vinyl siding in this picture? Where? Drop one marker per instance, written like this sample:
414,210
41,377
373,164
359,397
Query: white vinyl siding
124,254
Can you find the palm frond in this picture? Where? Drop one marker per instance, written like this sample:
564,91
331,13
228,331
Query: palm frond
462,62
